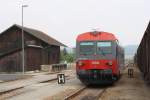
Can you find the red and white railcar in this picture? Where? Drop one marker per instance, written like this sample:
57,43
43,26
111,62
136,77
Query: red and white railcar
99,58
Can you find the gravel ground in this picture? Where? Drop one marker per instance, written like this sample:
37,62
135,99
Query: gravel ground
125,89
70,87
61,95
128,88
46,91
32,86
40,91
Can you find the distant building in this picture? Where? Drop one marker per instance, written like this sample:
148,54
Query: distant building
40,49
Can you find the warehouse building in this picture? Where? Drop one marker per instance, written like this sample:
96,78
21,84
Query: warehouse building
40,49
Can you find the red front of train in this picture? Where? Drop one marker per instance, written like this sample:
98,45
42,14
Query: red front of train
99,58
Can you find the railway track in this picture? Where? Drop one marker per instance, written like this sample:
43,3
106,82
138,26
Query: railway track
19,90
86,93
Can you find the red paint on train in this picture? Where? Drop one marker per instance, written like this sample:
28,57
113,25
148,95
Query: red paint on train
98,64
95,66
98,36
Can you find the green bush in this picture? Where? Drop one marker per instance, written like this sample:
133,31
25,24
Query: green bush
69,57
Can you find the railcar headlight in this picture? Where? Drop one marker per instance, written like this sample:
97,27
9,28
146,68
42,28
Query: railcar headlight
80,63
110,63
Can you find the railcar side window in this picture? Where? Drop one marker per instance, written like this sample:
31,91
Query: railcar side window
104,47
87,48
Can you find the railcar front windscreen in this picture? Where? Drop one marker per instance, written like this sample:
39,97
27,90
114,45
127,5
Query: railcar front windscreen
104,47
87,48
99,47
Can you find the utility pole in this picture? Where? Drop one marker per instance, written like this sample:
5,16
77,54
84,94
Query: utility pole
23,62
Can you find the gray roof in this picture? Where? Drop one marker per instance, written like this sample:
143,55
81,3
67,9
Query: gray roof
44,37
40,35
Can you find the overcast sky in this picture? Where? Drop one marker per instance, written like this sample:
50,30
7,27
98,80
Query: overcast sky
65,19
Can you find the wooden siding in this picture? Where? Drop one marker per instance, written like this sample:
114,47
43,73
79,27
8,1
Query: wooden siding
10,38
37,52
51,55
11,62
33,58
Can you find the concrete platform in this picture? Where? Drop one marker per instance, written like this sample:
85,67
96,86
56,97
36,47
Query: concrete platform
11,77
128,88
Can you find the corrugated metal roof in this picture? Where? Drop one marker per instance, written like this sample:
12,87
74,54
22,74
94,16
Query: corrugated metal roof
40,35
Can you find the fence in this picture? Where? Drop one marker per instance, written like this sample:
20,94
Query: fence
59,67
54,67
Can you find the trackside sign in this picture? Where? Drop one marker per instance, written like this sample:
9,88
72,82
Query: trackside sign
61,78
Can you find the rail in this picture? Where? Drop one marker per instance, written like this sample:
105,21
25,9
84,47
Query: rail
82,94
75,93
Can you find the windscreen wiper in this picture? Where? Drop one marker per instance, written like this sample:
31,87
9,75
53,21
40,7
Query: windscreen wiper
102,52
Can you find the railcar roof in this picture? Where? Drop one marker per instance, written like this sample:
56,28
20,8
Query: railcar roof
90,36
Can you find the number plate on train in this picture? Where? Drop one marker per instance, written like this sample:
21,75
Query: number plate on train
95,62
